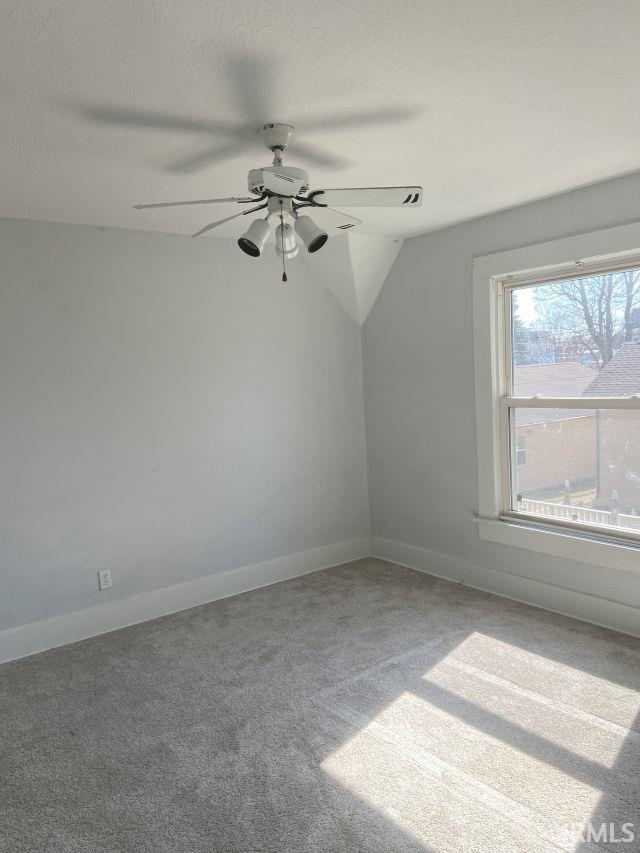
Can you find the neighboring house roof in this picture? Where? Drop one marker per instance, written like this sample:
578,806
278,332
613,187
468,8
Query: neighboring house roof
561,379
620,377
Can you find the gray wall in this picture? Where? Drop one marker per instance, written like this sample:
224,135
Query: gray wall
168,410
419,385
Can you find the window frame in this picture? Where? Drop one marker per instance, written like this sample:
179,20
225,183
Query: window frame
494,278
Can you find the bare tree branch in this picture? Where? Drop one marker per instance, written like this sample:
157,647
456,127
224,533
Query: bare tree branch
588,318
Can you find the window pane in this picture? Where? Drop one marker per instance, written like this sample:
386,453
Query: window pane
580,465
577,338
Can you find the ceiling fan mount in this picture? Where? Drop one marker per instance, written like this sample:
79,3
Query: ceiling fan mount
276,136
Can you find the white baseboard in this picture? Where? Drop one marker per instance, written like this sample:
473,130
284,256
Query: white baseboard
81,624
578,605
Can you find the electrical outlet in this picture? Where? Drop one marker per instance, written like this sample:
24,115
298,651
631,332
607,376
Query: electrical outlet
104,579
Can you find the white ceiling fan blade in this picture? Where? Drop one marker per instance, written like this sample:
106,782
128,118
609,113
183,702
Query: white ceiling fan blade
196,201
353,219
215,224
370,197
227,219
332,220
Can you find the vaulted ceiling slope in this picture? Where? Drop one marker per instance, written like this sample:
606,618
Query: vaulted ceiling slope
354,267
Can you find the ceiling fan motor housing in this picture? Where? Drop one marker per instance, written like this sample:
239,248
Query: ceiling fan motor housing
286,181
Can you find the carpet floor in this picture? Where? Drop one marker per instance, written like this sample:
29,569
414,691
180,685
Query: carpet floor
362,708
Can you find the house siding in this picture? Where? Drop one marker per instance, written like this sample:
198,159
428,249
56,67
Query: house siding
619,459
556,451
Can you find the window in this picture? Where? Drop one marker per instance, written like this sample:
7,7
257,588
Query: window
557,363
572,395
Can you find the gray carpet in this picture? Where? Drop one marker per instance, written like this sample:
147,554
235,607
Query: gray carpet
362,708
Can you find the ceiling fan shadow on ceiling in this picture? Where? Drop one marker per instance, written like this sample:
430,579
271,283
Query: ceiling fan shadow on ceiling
253,82
282,191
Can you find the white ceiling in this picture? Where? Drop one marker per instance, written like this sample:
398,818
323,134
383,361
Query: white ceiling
486,103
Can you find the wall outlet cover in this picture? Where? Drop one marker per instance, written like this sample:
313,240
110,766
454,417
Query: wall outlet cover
104,579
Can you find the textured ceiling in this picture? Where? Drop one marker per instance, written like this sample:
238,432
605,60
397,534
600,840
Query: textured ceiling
486,103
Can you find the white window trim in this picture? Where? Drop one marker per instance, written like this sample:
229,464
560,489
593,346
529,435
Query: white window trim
603,249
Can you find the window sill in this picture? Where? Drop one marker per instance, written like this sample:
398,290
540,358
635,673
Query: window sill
560,543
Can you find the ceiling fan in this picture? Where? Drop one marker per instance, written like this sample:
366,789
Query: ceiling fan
282,191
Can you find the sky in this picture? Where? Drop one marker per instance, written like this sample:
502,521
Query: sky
526,308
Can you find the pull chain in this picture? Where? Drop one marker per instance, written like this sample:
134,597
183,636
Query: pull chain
284,268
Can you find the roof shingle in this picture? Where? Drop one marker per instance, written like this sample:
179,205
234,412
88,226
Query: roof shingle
560,379
620,377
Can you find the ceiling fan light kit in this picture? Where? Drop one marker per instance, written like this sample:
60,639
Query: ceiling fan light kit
286,245
253,240
313,237
284,190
